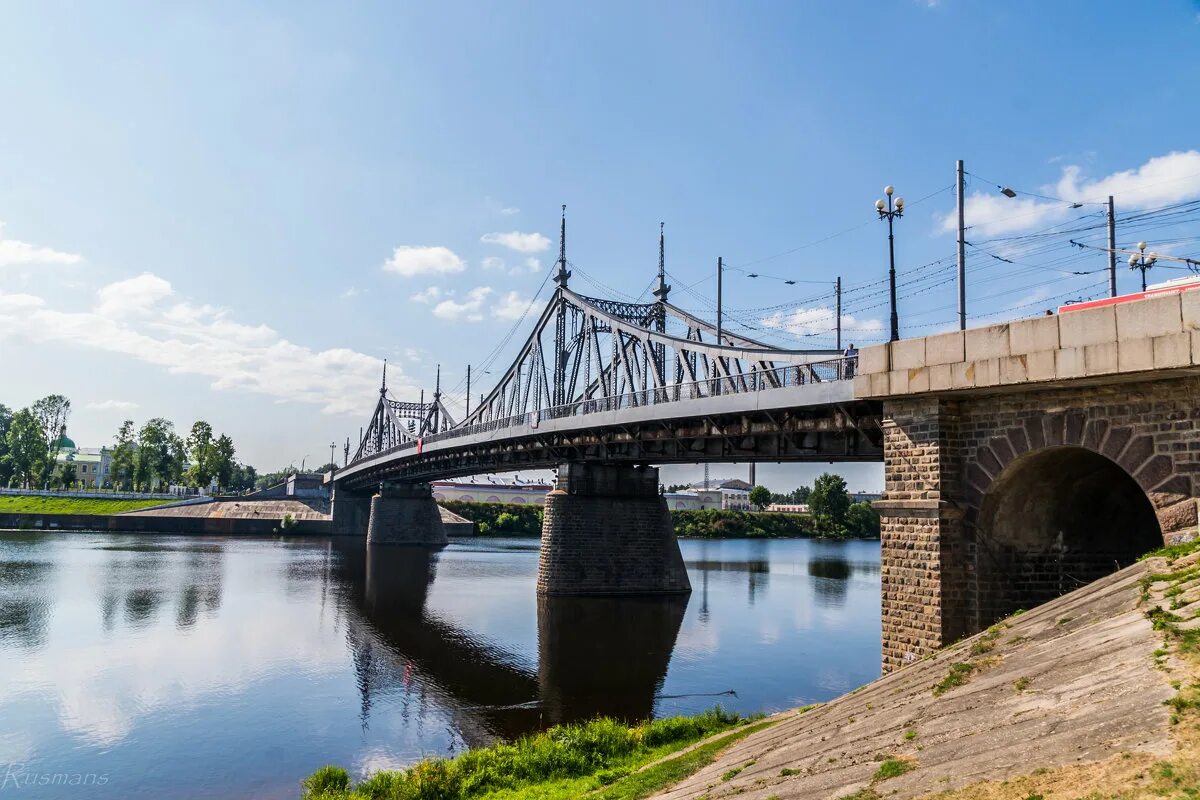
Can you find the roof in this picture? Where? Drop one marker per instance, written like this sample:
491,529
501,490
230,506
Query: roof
66,442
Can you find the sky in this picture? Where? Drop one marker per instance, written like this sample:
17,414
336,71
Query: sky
235,211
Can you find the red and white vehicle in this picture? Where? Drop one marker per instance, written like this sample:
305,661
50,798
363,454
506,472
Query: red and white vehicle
1174,286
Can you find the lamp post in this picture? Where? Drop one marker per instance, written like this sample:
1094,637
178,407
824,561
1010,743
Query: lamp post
1143,261
890,212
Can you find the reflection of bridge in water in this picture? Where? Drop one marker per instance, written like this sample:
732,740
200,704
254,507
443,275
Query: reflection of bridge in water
595,655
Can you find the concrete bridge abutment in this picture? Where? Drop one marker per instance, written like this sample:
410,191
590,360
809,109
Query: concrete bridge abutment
350,512
607,531
405,514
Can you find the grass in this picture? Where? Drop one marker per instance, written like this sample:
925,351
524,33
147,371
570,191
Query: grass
892,768
1021,683
909,735
600,758
38,504
958,675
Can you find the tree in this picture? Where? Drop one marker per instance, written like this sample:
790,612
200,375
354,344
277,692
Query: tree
26,447
51,413
124,466
760,496
200,451
862,520
6,416
65,477
829,502
223,463
677,487
161,454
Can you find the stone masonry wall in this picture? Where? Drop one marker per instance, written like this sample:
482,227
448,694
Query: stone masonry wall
942,453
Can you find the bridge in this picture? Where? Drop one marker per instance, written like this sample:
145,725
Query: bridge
1021,460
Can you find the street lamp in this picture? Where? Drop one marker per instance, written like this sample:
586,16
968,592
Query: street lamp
1143,261
890,212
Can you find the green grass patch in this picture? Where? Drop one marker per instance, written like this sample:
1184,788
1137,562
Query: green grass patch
892,768
1173,551
909,735
1021,683
600,757
38,504
959,674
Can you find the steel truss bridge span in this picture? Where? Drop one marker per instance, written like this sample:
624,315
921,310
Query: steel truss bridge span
615,382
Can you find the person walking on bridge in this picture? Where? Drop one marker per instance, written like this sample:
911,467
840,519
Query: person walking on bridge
850,354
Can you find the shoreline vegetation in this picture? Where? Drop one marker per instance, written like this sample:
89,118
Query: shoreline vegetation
504,519
602,759
42,504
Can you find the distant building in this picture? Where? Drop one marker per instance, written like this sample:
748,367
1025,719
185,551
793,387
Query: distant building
92,464
731,495
490,491
789,508
865,497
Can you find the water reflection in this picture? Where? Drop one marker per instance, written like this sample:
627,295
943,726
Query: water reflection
149,657
604,655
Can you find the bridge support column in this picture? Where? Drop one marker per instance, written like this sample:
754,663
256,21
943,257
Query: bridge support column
607,531
927,584
405,513
350,512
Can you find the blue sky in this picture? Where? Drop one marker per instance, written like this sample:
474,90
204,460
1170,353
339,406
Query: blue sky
234,211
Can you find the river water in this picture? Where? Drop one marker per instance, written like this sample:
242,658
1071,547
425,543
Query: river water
162,666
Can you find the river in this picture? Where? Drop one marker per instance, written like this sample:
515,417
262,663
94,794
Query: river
160,666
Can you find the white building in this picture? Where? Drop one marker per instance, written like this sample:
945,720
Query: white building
492,491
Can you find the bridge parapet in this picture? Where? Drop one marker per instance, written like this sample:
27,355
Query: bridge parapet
1155,334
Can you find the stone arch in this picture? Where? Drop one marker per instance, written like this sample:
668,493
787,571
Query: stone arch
492,499
1170,492
1063,500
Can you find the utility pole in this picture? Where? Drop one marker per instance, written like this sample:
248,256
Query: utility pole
838,322
1112,249
468,412
753,477
332,463
962,247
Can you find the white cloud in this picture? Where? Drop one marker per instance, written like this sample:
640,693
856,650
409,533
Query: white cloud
17,253
515,240
349,293
533,265
135,295
131,319
1161,180
408,261
492,263
469,309
511,306
817,322
114,405
510,211
427,295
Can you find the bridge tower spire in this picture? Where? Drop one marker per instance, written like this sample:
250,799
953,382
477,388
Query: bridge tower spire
560,322
383,386
663,289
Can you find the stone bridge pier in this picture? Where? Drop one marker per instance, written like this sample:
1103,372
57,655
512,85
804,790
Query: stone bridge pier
405,513
607,531
351,512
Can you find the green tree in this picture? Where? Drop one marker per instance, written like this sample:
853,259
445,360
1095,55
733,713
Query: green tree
65,477
51,413
829,502
161,454
6,416
200,451
760,496
124,458
862,520
26,447
223,460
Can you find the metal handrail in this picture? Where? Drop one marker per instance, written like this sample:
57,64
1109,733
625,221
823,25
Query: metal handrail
756,380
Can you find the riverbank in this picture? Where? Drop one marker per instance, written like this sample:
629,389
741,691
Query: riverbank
602,759
1093,695
504,519
43,504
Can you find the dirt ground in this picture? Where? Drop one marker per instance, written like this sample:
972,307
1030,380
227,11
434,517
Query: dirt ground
1081,697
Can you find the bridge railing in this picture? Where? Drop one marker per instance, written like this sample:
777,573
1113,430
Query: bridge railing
756,380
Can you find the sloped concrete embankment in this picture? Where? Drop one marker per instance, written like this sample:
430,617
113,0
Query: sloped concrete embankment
1082,680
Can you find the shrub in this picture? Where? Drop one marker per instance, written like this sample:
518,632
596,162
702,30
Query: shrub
328,779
